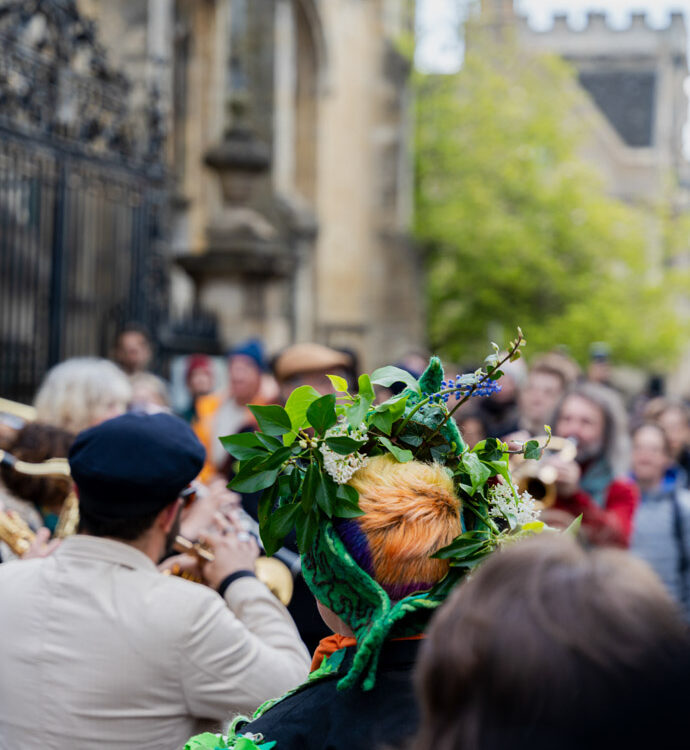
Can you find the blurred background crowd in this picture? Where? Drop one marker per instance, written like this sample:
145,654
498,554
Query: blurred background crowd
205,205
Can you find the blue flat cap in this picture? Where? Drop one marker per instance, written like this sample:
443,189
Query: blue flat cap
134,464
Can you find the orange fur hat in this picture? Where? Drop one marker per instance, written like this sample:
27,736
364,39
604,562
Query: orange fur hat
410,511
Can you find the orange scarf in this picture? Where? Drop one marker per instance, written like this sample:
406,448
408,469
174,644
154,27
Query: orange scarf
335,642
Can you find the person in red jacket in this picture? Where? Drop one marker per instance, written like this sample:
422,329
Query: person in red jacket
595,483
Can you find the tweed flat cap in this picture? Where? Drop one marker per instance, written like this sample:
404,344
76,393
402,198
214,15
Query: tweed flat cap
134,464
308,357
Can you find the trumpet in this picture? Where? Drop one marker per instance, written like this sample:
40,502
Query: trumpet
273,573
539,480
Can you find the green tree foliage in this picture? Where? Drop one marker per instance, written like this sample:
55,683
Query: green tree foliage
519,230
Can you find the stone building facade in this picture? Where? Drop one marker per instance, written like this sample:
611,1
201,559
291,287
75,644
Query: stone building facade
289,146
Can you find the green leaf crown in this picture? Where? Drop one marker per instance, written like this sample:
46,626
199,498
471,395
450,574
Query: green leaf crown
303,455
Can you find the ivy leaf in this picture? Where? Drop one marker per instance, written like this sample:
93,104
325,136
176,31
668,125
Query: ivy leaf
273,420
296,407
401,454
356,413
382,420
242,446
339,384
321,413
488,450
365,388
344,445
439,452
533,450
478,472
386,376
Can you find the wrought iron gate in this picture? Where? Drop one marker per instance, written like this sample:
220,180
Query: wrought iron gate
82,196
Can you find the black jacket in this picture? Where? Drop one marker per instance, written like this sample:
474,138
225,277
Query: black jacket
321,717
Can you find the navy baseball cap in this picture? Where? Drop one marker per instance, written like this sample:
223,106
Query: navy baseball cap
134,464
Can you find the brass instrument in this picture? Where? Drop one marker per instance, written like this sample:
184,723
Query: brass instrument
273,573
15,532
22,411
539,479
277,574
13,529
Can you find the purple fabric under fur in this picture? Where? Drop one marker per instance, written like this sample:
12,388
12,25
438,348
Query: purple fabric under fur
358,546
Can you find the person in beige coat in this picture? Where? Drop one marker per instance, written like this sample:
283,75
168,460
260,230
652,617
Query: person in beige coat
98,649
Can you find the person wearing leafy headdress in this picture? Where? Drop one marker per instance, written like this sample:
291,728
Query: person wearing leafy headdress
381,497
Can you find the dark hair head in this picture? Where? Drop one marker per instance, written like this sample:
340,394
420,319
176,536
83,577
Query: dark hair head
548,645
134,327
125,529
35,443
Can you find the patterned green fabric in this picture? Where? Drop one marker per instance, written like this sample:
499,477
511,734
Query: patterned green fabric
338,582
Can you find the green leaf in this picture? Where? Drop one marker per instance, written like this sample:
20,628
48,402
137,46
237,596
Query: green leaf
382,420
478,472
365,388
276,459
401,454
254,482
395,405
321,413
273,420
307,526
266,503
296,407
574,528
268,441
326,490
488,450
411,438
533,450
386,376
344,445
439,452
356,413
296,477
242,446
311,480
280,524
339,384
347,502
459,552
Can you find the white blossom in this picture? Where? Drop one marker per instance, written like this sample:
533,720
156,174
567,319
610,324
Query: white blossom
516,509
341,468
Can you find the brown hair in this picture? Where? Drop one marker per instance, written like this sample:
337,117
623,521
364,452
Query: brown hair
548,645
35,443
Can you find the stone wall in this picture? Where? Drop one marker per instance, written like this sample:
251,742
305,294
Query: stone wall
308,238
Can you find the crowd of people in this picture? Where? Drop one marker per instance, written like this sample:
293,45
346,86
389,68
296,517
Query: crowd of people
117,637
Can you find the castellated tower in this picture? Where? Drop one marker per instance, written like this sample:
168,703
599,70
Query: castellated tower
634,76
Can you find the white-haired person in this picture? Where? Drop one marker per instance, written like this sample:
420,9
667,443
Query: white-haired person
82,392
